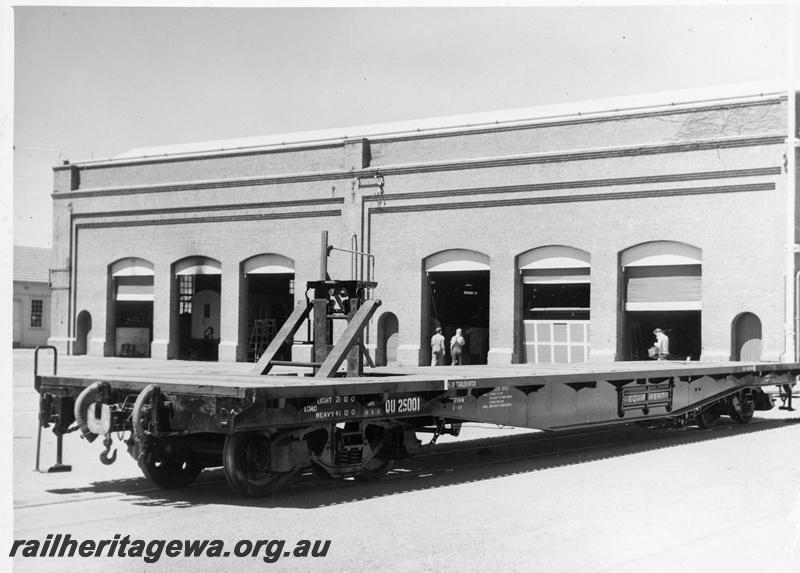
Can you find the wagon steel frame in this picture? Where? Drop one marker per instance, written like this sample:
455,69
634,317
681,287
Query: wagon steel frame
180,417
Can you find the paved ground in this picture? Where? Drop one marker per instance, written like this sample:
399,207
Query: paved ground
623,499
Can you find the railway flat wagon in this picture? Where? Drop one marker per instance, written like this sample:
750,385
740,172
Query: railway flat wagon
343,419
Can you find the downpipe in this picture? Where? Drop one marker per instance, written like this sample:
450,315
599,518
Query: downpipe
797,316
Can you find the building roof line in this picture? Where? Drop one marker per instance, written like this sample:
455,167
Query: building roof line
520,117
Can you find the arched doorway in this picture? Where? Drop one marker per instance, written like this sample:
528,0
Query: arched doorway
458,297
746,338
662,286
268,299
83,328
555,304
199,287
130,317
388,340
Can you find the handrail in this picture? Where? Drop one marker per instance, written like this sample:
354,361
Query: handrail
36,379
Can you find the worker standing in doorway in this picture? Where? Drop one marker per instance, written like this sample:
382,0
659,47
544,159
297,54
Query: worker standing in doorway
456,345
662,344
437,348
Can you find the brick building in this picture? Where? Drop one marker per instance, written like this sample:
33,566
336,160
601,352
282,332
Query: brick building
559,233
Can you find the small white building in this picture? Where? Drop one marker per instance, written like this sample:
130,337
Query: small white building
31,296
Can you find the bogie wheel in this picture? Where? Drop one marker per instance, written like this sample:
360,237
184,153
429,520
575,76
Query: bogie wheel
319,447
740,410
742,417
168,472
707,420
247,461
320,471
374,469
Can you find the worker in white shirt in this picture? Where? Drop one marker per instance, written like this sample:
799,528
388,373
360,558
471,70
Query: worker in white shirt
456,346
662,344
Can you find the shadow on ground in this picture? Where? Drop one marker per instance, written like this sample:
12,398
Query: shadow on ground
437,466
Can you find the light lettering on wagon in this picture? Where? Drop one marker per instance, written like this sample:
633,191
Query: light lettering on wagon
346,413
460,384
409,405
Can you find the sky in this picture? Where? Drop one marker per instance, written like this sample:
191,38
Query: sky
94,82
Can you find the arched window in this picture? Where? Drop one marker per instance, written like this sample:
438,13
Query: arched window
198,266
457,260
662,283
458,297
268,264
133,279
199,307
555,304
268,302
662,276
131,314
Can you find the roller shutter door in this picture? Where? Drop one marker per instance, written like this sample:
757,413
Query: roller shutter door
134,288
656,288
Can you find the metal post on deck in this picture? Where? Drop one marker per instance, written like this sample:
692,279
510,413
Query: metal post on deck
323,259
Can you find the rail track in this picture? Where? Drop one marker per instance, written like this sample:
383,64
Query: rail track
439,465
